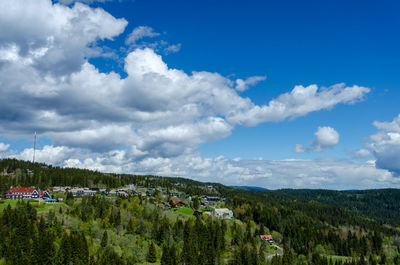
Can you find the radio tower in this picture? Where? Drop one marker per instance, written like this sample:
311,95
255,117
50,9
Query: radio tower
34,149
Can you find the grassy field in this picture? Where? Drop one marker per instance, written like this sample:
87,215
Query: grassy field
184,210
5,203
41,207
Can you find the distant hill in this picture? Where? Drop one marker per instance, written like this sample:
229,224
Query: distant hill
382,205
249,188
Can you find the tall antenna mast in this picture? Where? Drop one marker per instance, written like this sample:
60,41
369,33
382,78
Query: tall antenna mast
34,149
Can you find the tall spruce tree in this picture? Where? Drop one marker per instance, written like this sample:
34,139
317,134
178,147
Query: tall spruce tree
152,254
104,240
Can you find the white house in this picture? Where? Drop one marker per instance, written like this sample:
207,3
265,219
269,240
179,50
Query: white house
223,213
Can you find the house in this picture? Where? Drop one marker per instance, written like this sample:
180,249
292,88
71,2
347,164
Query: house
8,173
211,187
113,192
122,193
61,189
178,204
204,202
49,200
81,191
223,213
267,238
213,199
77,191
26,193
89,192
141,194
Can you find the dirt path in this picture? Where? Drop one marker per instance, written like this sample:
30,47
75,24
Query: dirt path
278,254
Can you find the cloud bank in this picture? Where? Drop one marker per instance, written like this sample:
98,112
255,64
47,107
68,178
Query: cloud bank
290,173
152,120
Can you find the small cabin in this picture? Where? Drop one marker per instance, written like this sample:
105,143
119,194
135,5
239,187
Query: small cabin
178,204
267,238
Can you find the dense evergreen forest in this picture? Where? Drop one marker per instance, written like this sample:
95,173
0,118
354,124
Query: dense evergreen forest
140,230
382,205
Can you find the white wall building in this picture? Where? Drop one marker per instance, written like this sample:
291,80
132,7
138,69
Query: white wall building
223,213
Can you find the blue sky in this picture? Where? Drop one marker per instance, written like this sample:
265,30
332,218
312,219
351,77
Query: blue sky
292,43
97,91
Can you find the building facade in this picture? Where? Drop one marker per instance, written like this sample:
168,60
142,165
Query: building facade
26,193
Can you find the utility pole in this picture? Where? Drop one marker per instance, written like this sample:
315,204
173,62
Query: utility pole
34,149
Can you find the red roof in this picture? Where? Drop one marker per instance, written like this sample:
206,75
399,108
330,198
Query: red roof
24,190
177,202
267,237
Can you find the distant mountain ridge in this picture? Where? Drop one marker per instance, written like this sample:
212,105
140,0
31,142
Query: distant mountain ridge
253,188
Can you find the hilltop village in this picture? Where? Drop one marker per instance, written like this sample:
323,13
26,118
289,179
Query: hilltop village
176,201
55,215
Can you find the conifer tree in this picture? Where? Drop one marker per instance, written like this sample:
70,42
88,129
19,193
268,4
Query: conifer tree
104,239
196,203
165,258
152,255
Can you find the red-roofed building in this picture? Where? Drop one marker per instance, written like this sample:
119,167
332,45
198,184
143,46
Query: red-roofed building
266,237
178,203
26,193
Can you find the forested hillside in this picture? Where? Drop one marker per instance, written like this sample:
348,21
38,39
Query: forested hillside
143,228
382,205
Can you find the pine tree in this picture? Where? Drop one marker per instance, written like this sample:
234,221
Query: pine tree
196,203
104,240
165,258
130,228
152,255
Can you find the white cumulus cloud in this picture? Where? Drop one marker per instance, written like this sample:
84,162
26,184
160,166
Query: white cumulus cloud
242,85
385,145
52,38
68,2
139,33
173,48
325,137
4,147
361,153
299,102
